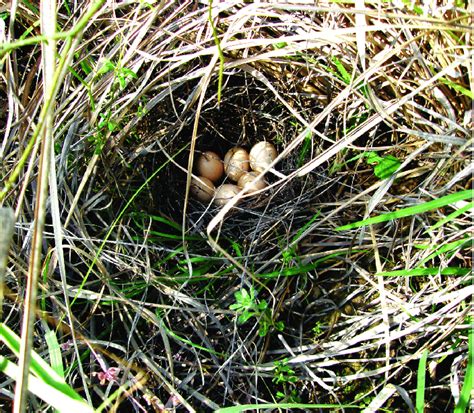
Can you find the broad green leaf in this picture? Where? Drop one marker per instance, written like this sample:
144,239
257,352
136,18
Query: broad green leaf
244,317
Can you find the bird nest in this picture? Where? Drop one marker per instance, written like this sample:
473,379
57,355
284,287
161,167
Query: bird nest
246,114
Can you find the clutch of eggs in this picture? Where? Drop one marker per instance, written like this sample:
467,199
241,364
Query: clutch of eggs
236,165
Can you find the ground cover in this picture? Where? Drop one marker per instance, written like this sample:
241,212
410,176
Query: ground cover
345,285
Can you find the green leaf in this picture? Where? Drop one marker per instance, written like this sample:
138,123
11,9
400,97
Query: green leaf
264,327
245,317
121,81
86,67
452,216
449,248
344,75
129,73
177,337
279,325
280,45
45,391
387,167
108,66
372,158
111,126
54,352
235,306
457,87
423,272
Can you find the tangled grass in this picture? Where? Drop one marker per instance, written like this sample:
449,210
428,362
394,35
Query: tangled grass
144,299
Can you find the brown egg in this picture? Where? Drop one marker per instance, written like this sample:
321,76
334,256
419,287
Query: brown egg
202,189
236,162
224,193
209,165
262,154
248,180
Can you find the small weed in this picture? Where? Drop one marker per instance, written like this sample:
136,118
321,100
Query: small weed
106,122
98,141
283,373
105,126
292,397
317,330
120,73
285,376
141,110
248,306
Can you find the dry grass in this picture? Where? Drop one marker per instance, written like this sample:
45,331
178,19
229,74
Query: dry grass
136,276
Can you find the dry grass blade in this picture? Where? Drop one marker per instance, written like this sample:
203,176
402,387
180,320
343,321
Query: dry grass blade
7,224
48,26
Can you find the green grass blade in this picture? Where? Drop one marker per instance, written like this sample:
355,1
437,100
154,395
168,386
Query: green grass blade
451,216
54,353
421,383
189,342
421,272
450,248
299,269
414,210
38,366
50,394
463,402
219,51
303,229
343,73
457,87
119,217
245,407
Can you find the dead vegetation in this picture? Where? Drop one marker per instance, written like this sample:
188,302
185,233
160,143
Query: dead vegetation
139,282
